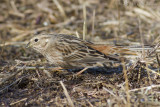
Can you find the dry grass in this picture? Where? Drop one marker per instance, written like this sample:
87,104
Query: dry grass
27,80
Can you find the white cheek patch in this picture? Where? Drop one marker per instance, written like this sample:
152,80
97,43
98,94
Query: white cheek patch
46,42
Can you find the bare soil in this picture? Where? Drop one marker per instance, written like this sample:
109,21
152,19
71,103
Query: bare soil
26,78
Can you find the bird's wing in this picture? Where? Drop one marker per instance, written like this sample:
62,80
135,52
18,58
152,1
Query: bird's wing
75,50
112,50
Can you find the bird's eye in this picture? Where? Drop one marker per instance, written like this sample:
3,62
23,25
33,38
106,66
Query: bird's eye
36,40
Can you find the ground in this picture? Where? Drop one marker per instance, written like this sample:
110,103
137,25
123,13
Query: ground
27,80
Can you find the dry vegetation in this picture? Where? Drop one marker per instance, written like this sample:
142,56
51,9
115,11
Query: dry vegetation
26,79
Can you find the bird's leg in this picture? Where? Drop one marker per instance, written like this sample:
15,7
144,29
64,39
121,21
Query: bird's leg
81,71
56,68
50,67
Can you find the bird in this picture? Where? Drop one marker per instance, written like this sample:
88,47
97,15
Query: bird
70,52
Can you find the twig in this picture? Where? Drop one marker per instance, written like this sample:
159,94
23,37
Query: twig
93,22
13,43
90,103
15,11
126,85
152,71
153,50
67,95
148,87
84,23
77,35
60,8
80,72
110,92
142,39
117,97
32,67
24,99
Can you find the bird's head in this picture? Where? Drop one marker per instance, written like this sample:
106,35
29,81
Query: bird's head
39,42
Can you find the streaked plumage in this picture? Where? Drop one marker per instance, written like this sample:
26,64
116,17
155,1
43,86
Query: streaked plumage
69,52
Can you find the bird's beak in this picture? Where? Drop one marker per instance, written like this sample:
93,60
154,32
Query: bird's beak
28,45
